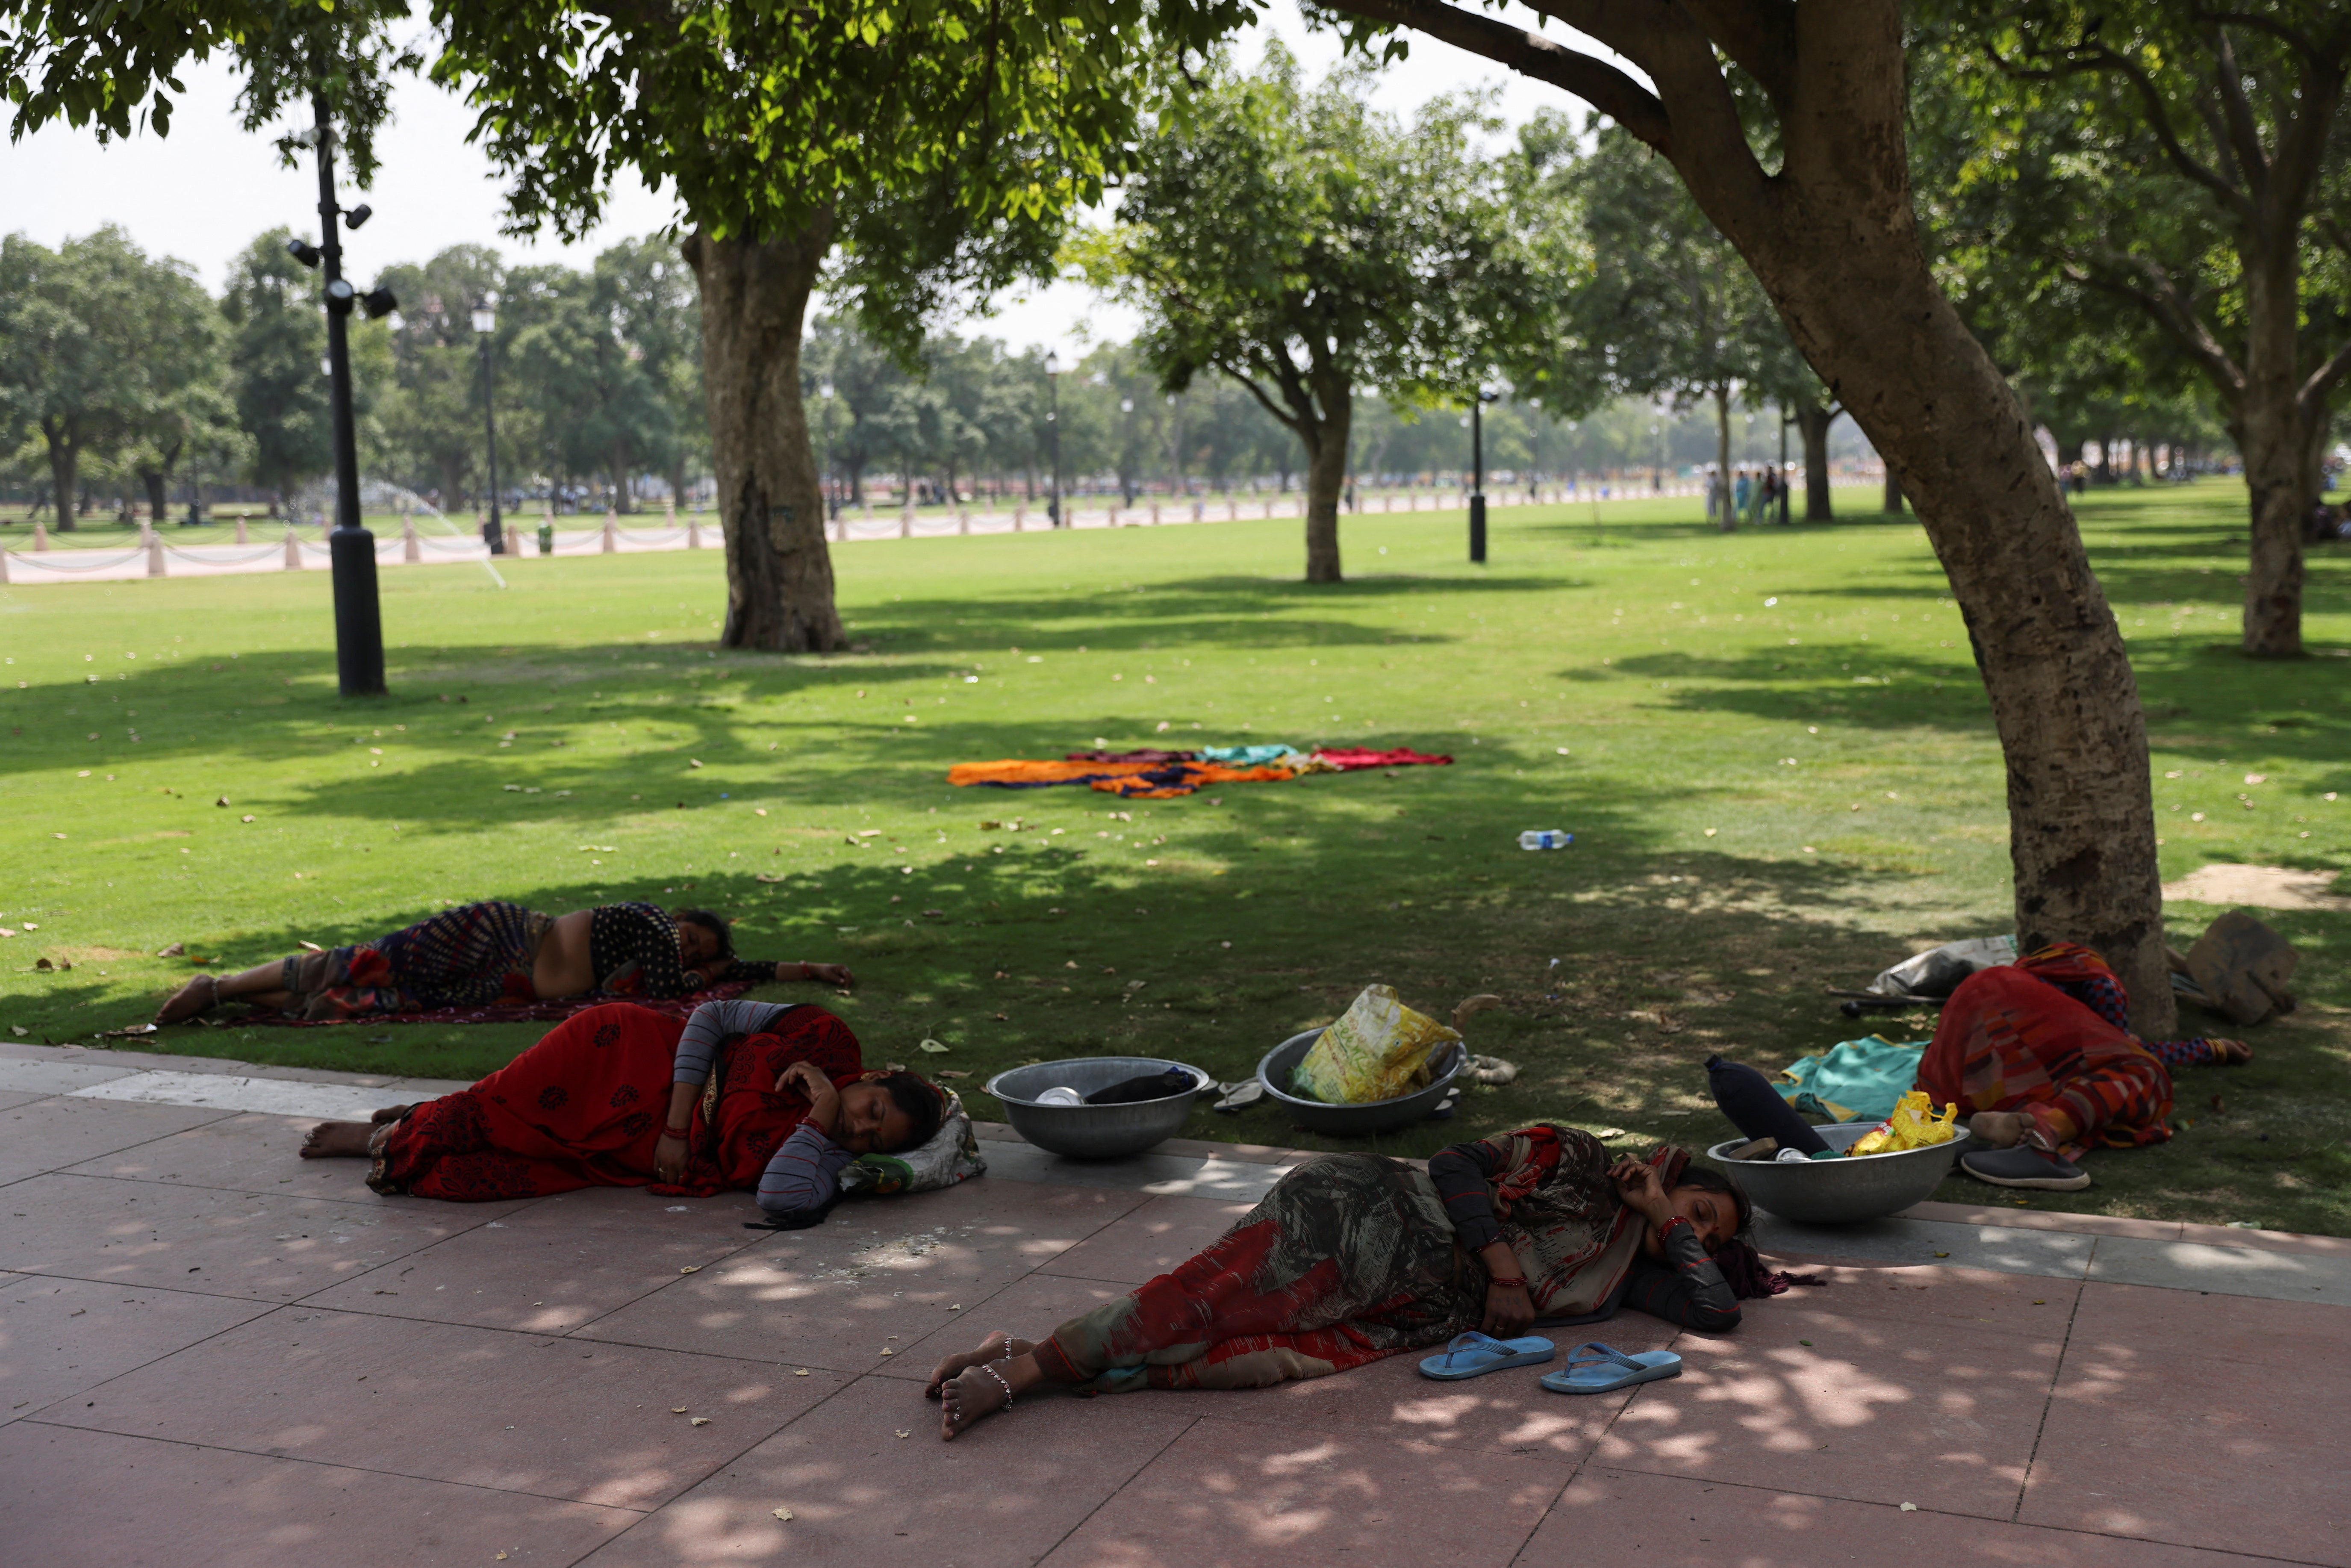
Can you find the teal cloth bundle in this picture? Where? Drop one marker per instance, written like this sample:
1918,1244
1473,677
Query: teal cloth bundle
1853,1081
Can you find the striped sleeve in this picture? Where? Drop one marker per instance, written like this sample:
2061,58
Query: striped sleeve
1687,1289
1461,1174
2198,1052
710,1025
805,1173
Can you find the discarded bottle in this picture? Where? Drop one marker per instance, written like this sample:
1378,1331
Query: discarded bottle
1545,838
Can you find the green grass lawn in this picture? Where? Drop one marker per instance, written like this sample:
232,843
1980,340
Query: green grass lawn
1771,748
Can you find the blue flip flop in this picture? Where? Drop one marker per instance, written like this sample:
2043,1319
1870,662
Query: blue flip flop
1597,1368
1473,1354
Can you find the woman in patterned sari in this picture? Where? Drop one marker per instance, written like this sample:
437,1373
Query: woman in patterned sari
1355,1256
741,1096
495,953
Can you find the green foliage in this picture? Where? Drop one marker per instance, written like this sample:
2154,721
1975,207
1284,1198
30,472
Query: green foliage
1304,244
278,334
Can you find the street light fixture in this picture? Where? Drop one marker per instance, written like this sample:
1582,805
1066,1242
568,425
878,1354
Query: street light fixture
486,322
1053,432
358,614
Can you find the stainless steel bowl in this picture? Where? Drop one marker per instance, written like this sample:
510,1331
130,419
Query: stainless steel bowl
1843,1191
1093,1131
1351,1121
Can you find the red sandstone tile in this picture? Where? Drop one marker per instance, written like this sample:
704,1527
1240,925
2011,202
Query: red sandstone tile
49,1134
1666,1522
59,1337
11,1099
269,1247
591,1423
999,1497
2041,1220
556,1264
69,1496
1933,1413
2206,1451
247,1152
2267,1240
1237,1494
1030,1308
837,1294
2143,1331
2032,1305
1149,1241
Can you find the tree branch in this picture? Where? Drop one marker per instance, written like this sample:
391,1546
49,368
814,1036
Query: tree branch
2242,132
2159,119
2314,392
1759,36
2171,311
1598,83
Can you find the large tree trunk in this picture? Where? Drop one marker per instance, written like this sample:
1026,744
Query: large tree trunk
2274,435
754,296
1812,424
621,502
154,480
1326,477
1729,520
1875,326
1893,502
65,469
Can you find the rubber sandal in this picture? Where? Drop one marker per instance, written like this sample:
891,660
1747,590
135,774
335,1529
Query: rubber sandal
1473,1354
1597,1368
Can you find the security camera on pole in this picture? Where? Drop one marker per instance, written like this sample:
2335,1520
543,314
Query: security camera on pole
359,618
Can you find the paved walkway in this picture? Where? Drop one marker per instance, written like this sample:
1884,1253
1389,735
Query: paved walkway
213,1352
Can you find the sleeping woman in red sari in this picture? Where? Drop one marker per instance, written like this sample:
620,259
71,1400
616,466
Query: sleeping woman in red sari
748,1096
1355,1256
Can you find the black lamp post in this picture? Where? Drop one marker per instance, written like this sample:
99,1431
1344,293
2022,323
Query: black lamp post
1783,467
1053,432
359,617
1477,472
485,321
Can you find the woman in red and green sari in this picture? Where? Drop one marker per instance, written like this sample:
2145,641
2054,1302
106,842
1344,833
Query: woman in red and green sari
1355,1256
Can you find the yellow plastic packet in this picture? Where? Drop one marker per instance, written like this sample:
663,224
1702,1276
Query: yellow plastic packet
1913,1125
1379,1051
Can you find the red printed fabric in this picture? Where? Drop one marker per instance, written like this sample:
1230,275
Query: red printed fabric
584,1108
2009,1039
1348,760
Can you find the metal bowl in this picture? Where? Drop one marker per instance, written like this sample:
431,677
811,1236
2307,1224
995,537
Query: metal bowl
1844,1191
1351,1121
1093,1131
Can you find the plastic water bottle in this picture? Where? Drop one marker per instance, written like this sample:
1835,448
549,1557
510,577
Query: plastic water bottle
1545,838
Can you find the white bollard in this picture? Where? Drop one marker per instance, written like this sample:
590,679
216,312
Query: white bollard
611,532
240,529
693,532
3,564
1154,514
906,523
40,537
1019,517
963,519
293,549
409,550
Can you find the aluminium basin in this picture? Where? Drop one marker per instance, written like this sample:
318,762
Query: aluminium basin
1841,1191
1095,1131
1352,1121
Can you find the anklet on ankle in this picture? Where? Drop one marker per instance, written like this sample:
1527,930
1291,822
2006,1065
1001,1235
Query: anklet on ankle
999,1383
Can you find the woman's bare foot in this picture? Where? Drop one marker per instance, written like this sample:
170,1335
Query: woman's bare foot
965,1398
995,1347
391,1114
1998,1129
337,1140
197,996
2230,1052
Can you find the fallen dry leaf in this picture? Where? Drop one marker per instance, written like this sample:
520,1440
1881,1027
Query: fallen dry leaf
934,1047
701,1420
174,951
889,1353
677,1409
802,1371
691,1269
694,762
1909,1507
785,1514
312,947
904,1433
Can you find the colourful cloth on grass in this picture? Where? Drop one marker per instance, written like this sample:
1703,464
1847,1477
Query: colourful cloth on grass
1141,754
526,1012
1853,1081
1350,759
1185,779
1249,756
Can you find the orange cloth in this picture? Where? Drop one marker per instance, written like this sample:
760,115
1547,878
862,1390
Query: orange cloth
1014,771
1196,775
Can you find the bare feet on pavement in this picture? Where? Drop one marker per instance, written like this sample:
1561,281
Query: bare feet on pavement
995,1347
337,1140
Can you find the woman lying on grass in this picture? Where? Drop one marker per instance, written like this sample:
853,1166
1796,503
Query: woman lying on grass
493,953
1355,1256
742,1095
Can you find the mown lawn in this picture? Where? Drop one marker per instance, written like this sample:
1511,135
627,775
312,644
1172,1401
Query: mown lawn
1770,747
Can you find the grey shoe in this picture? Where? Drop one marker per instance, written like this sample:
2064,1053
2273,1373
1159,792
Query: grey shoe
2024,1166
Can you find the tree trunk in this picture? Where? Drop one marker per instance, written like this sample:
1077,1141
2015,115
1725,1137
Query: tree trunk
65,466
1893,489
2280,453
1326,477
1729,521
154,479
1812,424
779,593
620,460
1871,321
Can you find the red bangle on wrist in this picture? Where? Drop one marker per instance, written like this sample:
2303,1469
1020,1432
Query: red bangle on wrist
1494,1279
677,1132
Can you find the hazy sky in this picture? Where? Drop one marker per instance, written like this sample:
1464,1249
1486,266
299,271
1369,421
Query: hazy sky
205,192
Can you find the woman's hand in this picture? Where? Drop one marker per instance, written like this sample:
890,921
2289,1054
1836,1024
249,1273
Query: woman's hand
824,1100
669,1160
829,974
1643,1193
1509,1308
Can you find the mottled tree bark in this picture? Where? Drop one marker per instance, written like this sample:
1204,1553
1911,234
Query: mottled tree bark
1812,425
64,436
779,590
1326,480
